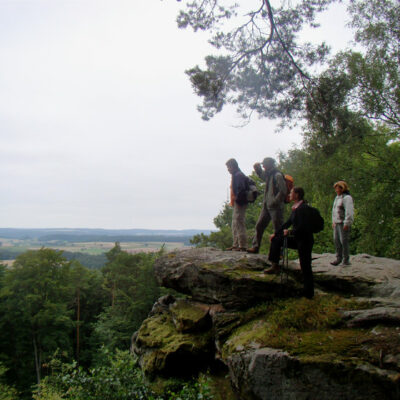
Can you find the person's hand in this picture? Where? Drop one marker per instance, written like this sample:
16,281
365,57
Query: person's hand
345,228
285,232
271,237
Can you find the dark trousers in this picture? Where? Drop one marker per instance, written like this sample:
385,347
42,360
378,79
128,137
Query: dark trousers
266,216
303,245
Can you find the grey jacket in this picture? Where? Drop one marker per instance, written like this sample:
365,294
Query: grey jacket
275,188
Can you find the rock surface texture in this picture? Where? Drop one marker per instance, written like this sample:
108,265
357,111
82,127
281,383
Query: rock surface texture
343,344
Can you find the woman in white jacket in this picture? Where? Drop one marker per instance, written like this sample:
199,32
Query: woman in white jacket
342,219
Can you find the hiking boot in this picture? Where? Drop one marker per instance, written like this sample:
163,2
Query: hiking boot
233,248
253,250
346,262
275,269
336,262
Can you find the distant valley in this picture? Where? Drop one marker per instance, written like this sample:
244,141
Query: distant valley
88,246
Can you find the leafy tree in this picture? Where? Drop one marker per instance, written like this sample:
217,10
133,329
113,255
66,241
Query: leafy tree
34,307
6,392
118,377
90,298
132,287
370,164
264,67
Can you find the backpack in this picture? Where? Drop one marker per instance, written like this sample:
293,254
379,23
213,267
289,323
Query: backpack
314,219
289,185
251,191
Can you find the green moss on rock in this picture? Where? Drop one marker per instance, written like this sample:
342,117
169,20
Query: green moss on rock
189,316
165,350
308,329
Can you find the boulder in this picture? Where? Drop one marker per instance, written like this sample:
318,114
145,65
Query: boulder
234,279
167,344
271,374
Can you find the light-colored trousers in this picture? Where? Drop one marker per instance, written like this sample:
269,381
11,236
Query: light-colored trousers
342,239
238,226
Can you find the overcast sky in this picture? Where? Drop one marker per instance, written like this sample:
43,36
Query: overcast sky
98,120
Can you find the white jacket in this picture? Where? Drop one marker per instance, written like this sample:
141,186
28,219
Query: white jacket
343,210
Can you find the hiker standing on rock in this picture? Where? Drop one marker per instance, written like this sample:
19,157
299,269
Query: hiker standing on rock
300,237
342,219
273,201
239,204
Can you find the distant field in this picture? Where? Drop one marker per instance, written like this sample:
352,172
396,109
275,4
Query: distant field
10,248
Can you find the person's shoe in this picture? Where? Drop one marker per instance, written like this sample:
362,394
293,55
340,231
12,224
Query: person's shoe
336,262
233,248
275,269
346,263
253,250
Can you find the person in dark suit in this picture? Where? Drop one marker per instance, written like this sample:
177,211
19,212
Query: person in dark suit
298,237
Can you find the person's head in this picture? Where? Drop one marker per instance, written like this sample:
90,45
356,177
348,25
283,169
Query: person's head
232,165
341,187
297,194
268,163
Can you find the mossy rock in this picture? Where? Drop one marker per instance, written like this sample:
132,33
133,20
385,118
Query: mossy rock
165,351
189,316
310,328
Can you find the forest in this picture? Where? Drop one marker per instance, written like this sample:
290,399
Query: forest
66,329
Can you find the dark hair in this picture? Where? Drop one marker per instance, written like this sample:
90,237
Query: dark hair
299,191
232,162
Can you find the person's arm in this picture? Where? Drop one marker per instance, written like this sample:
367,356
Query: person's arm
348,211
259,171
334,213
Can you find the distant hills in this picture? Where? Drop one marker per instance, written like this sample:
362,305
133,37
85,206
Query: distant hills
101,235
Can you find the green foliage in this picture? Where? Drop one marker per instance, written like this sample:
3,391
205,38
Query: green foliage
35,316
116,377
262,67
132,288
6,392
370,163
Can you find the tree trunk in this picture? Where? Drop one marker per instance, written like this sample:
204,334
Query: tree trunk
78,317
37,360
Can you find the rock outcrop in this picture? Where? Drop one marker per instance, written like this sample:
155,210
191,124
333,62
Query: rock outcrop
343,344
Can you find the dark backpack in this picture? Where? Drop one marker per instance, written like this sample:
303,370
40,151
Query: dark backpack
314,219
251,190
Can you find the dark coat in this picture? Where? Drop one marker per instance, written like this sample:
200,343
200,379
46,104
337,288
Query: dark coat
299,221
239,187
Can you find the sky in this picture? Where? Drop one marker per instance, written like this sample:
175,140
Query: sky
98,121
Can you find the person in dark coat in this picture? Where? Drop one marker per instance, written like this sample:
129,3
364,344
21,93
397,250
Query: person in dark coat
299,237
